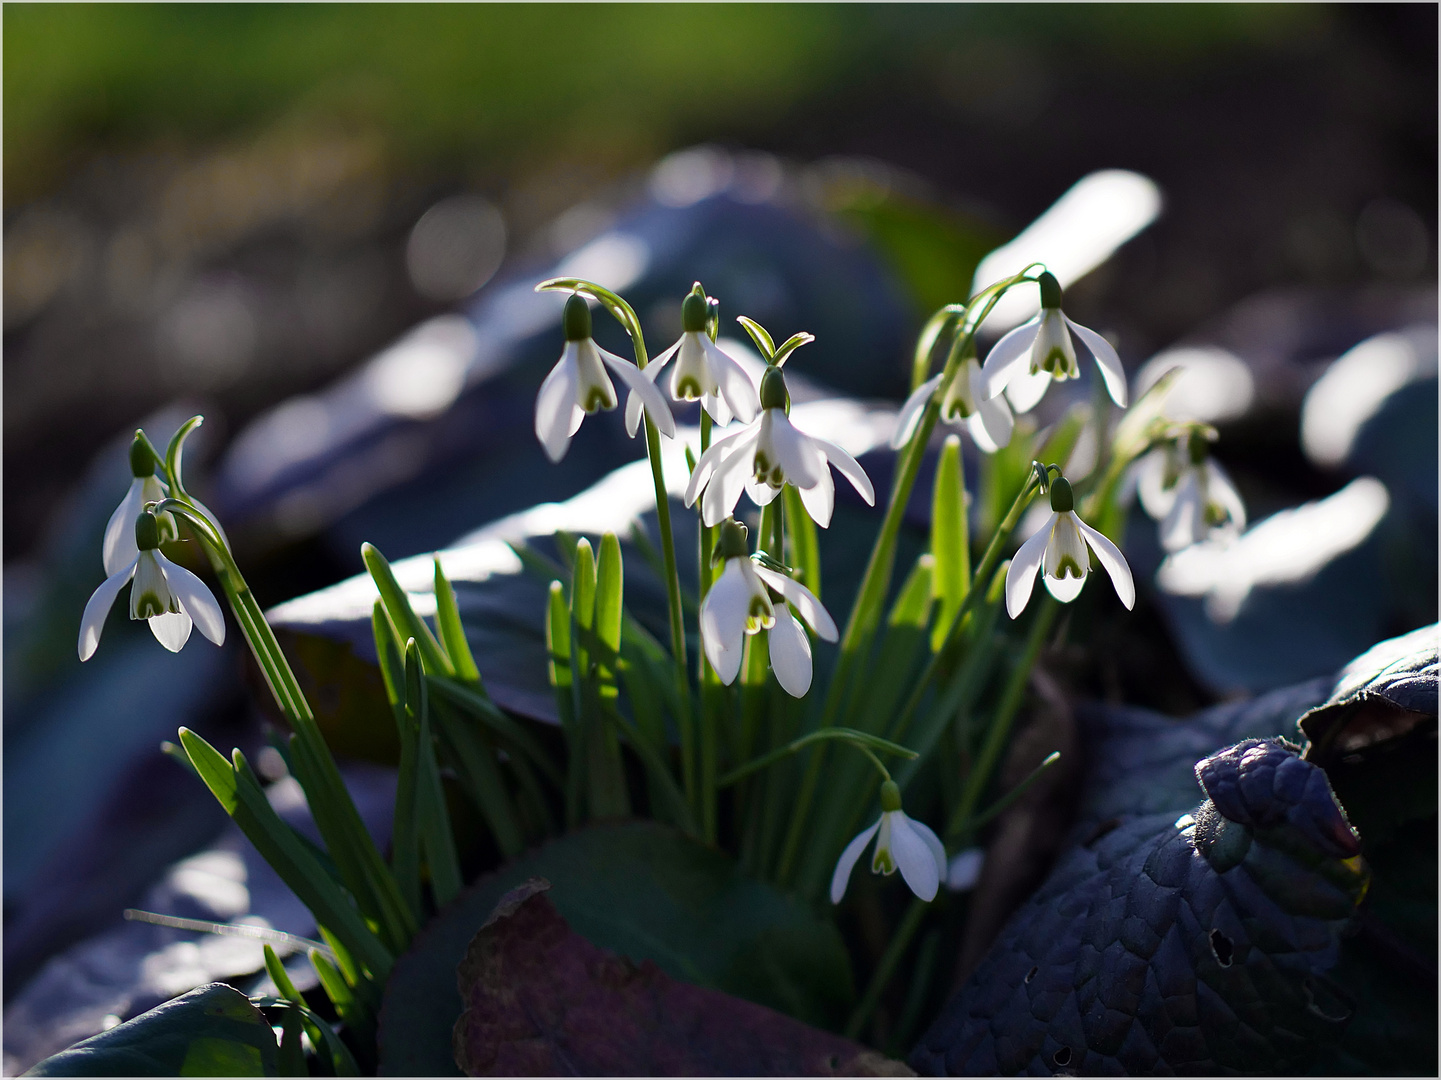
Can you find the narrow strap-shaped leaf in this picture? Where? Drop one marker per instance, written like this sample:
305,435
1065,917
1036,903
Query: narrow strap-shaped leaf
583,585
452,630
434,818
511,733
392,671
950,539
790,345
476,765
280,977
348,1006
291,1060
760,335
210,764
397,605
609,594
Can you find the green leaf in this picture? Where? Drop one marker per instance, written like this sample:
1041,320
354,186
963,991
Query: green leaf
211,1031
348,1005
582,588
214,769
291,1060
760,336
649,893
950,540
433,819
452,631
397,605
610,587
790,345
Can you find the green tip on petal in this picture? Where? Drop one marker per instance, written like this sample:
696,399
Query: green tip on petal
890,797
577,318
693,314
147,531
1050,290
731,544
142,460
1198,447
1061,498
773,389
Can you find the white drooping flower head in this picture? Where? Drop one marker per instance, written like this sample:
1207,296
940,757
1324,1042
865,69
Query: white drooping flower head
765,455
740,602
701,372
988,419
169,597
1033,355
118,549
1059,550
578,385
1183,488
901,844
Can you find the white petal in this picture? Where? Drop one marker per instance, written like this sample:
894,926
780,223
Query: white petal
1026,390
914,858
554,405
632,400
657,362
736,387
1064,589
98,606
847,862
1009,356
150,581
790,653
719,411
1106,360
197,601
1220,490
652,400
991,424
726,485
1021,576
1185,523
811,609
910,414
118,550
848,467
1150,471
1115,563
820,501
800,459
171,629
723,621
932,842
717,452
759,493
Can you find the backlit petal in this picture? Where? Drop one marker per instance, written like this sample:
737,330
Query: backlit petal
1064,589
723,621
735,385
1110,557
651,399
911,411
197,600
171,629
790,651
914,858
1185,523
1021,576
554,405
805,601
847,862
820,501
1025,390
800,459
101,600
706,466
1106,360
1009,356
726,484
118,550
991,424
932,841
848,467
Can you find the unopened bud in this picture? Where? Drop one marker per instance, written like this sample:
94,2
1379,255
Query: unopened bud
577,318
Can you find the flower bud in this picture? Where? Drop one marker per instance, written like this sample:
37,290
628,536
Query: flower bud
693,313
142,459
773,389
147,531
1062,500
577,318
890,797
731,544
1050,290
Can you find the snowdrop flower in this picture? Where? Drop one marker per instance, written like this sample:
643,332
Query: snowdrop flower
740,603
168,596
119,548
701,372
1182,487
902,844
988,419
578,385
1060,547
1026,361
767,453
